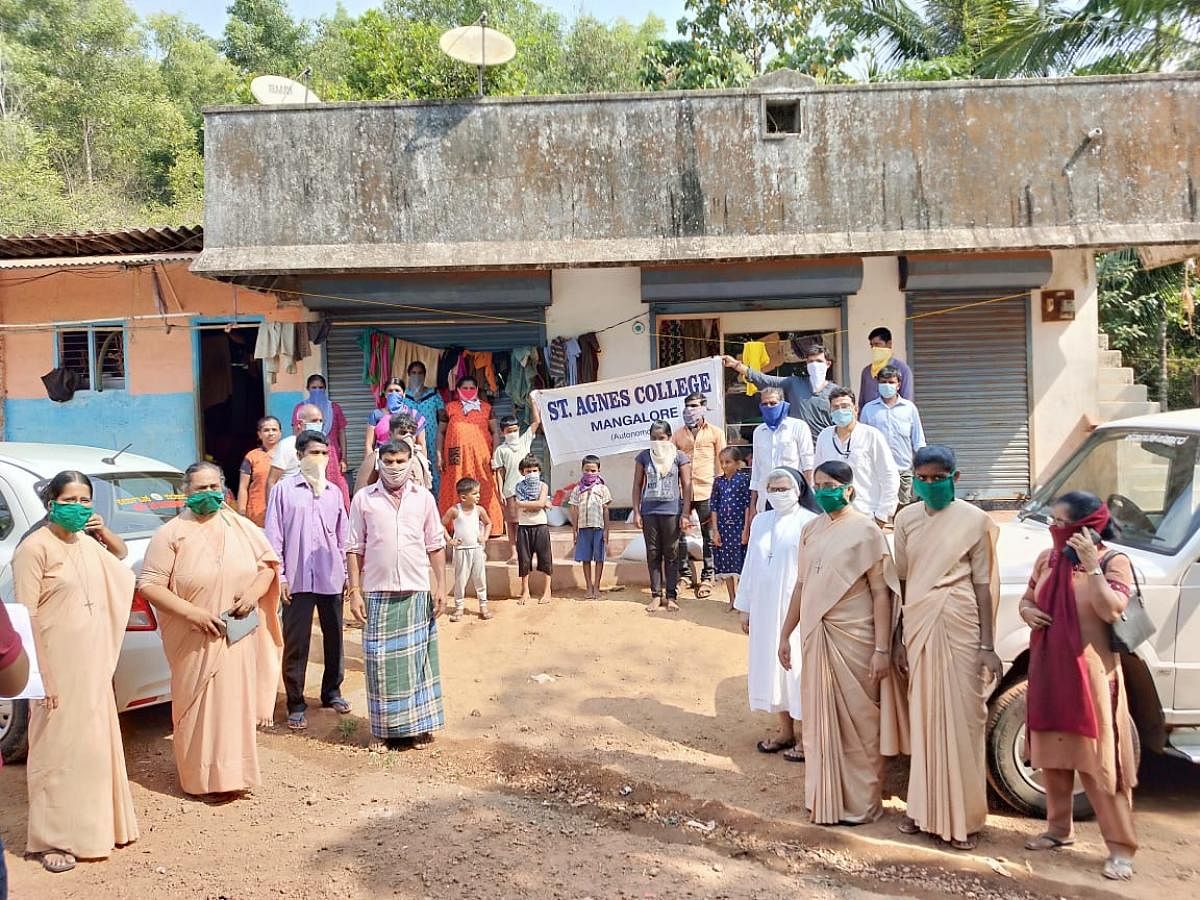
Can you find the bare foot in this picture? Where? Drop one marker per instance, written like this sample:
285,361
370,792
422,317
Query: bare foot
654,605
545,598
522,600
672,606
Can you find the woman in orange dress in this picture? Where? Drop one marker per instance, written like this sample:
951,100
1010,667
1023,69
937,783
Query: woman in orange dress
465,443
252,485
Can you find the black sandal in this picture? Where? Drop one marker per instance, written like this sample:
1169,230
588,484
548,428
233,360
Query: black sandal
774,745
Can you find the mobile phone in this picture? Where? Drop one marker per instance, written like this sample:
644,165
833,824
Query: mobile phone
1070,553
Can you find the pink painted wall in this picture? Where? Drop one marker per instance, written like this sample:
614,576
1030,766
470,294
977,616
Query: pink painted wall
158,362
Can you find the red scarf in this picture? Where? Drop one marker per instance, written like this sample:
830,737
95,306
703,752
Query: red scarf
1059,698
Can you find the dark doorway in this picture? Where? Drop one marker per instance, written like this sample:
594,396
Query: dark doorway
231,397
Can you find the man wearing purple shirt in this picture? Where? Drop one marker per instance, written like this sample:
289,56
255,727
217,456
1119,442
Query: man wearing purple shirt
307,525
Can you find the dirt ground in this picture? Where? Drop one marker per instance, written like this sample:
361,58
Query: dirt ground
629,773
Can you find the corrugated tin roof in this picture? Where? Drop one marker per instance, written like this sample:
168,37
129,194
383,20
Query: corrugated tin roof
187,238
73,262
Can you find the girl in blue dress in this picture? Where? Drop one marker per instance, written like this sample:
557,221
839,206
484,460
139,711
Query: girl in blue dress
730,506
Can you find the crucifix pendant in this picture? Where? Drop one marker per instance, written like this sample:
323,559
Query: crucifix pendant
88,603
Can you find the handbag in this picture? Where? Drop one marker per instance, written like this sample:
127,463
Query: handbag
1134,627
236,629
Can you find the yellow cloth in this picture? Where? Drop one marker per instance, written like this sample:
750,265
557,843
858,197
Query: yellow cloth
755,355
880,357
78,595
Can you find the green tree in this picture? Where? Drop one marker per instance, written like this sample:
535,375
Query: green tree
193,71
1101,36
606,58
756,30
261,37
684,65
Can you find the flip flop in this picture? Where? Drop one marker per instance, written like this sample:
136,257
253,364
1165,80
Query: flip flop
793,754
774,745
908,826
58,862
1048,842
705,590
341,706
297,721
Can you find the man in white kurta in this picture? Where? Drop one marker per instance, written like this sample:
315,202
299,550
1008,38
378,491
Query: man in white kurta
789,443
865,450
763,596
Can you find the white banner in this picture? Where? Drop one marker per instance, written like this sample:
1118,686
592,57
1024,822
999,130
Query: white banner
613,416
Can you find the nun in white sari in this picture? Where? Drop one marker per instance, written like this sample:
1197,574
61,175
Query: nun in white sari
763,596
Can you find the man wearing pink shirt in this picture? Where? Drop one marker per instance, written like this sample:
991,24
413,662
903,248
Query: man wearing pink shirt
396,563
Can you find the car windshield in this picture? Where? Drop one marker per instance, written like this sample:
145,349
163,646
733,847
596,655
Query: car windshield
1148,478
135,504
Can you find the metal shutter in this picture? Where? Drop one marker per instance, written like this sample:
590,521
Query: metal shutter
343,359
970,369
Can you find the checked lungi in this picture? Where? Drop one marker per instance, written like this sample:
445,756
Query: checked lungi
400,649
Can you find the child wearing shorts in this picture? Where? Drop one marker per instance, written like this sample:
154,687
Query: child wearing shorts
533,530
589,504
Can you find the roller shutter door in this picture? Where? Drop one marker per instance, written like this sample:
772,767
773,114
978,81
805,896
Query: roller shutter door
971,369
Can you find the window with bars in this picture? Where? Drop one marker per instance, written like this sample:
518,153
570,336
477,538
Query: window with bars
96,355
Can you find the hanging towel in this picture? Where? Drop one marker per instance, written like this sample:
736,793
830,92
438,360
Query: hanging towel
520,378
405,353
276,347
484,369
557,361
573,351
589,361
755,355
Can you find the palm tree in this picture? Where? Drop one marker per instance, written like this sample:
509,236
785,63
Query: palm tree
1101,37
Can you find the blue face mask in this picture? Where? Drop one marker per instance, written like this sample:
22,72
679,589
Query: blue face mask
774,415
887,390
842,417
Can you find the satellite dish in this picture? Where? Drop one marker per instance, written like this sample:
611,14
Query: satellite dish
275,90
478,45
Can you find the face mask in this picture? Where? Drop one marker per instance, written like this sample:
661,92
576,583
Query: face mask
842,417
774,415
887,390
816,374
936,494
70,517
881,355
512,439
205,503
317,395
318,427
692,416
532,479
396,479
831,499
415,382
784,501
395,402
468,394
313,468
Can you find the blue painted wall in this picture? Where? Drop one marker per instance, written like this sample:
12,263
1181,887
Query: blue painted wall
162,426
280,405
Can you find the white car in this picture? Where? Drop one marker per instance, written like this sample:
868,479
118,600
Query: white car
1148,470
134,495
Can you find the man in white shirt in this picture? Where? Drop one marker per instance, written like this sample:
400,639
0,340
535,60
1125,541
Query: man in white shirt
284,460
866,451
780,441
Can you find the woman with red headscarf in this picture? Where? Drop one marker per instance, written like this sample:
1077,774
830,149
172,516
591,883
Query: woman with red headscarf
466,432
1078,715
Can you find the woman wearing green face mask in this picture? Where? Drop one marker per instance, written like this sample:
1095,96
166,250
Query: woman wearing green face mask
946,559
78,595
844,605
206,562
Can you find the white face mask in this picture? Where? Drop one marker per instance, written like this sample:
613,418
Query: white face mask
816,374
784,501
512,439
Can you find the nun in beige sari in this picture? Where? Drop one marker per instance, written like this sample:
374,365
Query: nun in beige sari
844,606
206,562
946,560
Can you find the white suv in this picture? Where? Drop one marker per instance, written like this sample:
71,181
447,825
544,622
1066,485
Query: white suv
134,495
1148,470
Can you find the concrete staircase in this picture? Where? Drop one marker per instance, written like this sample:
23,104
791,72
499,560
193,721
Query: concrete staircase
504,583
1120,396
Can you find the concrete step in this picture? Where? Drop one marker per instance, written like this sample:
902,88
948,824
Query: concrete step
1123,393
1110,410
1115,375
563,543
1103,340
1110,358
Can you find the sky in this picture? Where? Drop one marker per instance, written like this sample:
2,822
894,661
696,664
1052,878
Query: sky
210,14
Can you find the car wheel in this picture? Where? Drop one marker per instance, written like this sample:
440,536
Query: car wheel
14,729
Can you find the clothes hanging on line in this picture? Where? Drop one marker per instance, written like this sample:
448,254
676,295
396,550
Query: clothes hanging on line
405,353
754,354
447,369
589,361
572,349
481,366
281,345
557,356
522,375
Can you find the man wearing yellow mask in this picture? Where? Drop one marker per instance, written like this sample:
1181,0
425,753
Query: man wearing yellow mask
880,340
